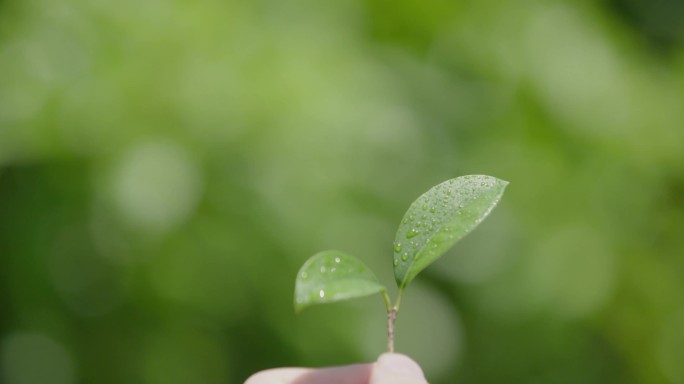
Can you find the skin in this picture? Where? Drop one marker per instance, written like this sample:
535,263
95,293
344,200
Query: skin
391,368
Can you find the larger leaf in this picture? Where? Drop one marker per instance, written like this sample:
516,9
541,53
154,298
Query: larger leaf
331,276
439,218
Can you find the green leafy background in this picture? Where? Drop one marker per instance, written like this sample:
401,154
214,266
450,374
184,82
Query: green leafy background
167,166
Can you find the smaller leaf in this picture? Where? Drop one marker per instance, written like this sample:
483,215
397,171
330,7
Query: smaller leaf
331,276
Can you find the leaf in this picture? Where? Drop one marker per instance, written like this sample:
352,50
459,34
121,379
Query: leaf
439,218
331,276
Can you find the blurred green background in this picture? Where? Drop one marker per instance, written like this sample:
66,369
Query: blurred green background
167,166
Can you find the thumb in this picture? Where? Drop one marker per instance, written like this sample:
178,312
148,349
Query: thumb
394,368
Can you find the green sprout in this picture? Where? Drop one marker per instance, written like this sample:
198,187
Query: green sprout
433,223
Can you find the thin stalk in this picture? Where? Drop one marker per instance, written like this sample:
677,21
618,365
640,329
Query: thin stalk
399,295
388,302
391,318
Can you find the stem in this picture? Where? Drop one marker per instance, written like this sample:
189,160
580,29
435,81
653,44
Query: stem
399,295
391,318
388,302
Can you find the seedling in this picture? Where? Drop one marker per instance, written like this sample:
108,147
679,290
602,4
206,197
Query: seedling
433,223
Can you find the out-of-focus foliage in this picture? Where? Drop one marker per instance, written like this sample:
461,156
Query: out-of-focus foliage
166,166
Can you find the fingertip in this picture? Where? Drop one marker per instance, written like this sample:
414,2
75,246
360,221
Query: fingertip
401,364
397,368
277,376
348,374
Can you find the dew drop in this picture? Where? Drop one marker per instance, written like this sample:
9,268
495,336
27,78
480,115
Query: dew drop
304,275
397,248
405,221
424,217
425,207
321,293
412,233
432,209
418,224
337,259
396,262
404,257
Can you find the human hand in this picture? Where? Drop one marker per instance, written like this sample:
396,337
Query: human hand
391,368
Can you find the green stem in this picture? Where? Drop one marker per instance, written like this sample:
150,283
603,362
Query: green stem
399,295
388,302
